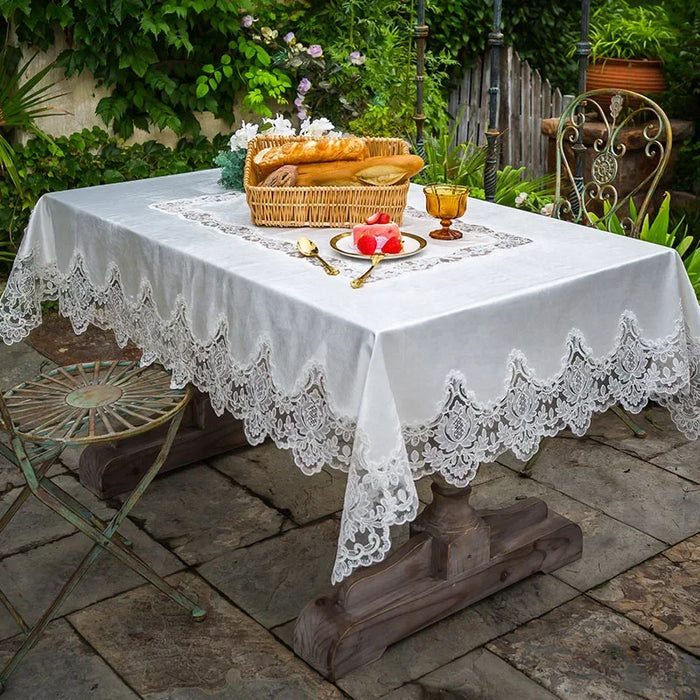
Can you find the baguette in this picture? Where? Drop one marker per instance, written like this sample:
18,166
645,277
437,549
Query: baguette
379,170
310,151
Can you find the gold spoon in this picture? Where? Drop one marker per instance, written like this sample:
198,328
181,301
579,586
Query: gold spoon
376,259
310,250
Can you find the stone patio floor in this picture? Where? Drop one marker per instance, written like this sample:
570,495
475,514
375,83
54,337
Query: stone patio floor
254,539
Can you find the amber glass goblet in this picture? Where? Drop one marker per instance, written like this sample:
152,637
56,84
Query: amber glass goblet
446,202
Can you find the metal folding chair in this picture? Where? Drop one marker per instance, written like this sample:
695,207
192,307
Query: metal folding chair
79,405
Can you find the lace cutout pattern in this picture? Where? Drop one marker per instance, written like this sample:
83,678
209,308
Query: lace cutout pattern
463,433
483,239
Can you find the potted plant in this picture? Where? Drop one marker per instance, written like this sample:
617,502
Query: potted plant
628,45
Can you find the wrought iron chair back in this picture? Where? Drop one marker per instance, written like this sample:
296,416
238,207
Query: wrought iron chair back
599,201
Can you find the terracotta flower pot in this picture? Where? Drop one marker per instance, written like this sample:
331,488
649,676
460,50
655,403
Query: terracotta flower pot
645,77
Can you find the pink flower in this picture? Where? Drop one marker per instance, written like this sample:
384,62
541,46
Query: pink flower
315,51
248,20
288,37
304,86
356,58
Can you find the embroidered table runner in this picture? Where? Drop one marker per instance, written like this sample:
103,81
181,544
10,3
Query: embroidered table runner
228,213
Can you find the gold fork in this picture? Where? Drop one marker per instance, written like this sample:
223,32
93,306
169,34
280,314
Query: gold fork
359,281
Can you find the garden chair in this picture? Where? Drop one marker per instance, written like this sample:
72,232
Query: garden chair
85,404
596,132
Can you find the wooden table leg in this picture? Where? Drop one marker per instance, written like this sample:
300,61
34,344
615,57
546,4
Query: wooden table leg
456,556
113,468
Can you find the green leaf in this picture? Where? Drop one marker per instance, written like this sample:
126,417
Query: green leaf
110,176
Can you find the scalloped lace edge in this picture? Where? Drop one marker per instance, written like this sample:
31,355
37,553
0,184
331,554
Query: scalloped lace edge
462,434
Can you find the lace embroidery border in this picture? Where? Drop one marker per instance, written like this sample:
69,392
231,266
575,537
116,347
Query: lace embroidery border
462,434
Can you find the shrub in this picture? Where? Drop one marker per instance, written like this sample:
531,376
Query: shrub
83,159
619,30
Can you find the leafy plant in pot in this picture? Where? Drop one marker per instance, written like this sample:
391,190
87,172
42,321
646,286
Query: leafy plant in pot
628,45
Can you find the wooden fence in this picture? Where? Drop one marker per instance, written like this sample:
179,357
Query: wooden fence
524,100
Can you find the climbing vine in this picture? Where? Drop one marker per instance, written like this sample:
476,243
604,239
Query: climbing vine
149,53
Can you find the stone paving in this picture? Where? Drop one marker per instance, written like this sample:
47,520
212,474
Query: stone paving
253,539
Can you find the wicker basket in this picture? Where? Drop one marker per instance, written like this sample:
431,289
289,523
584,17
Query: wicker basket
332,207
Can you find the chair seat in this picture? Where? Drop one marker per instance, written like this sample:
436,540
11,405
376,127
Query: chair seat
93,402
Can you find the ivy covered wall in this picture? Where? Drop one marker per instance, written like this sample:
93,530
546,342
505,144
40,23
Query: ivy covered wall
143,64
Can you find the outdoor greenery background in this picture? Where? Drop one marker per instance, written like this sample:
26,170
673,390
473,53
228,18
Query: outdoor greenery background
166,60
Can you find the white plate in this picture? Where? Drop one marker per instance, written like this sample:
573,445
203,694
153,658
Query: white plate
412,244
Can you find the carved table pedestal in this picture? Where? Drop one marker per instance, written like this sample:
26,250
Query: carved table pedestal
456,556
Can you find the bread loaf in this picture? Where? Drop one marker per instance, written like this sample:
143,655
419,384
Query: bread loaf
286,176
379,170
310,151
389,170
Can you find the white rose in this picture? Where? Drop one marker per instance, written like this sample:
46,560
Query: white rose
316,127
279,126
243,136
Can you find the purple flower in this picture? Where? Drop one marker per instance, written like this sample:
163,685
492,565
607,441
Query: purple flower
248,20
315,51
304,86
288,37
301,113
299,102
356,58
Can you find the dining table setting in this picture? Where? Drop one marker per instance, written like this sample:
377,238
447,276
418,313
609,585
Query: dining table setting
422,361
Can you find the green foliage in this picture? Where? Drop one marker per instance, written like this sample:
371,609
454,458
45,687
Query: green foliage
661,231
620,30
379,97
231,164
22,101
150,53
463,164
288,62
165,60
446,161
263,81
514,183
682,100
540,31
83,159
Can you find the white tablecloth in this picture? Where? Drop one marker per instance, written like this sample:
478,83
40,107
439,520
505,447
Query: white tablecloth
430,368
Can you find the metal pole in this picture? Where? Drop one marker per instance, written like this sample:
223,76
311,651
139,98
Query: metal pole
420,32
583,51
492,133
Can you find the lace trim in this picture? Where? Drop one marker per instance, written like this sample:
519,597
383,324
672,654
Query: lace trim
191,210
465,433
462,434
